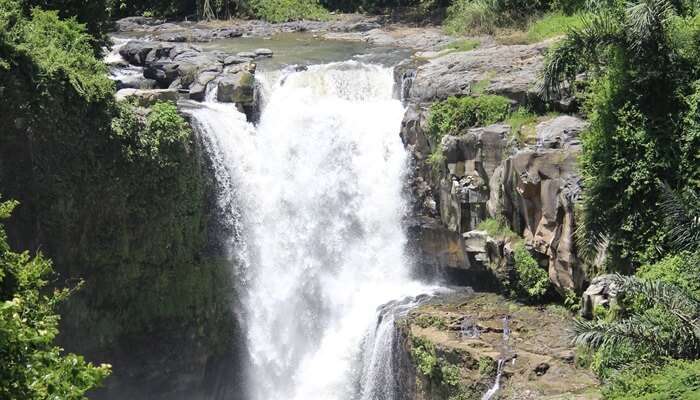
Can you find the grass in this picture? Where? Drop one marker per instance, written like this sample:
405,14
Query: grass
497,229
522,125
462,45
553,25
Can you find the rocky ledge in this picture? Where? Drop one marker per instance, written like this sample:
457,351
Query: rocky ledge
453,343
153,71
524,176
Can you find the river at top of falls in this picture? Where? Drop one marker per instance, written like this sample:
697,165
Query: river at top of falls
313,194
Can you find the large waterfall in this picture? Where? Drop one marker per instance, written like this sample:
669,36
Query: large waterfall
312,197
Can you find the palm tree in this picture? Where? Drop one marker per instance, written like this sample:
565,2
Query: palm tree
662,321
681,210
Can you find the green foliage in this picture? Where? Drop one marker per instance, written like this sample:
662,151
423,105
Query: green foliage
676,380
429,320
423,353
33,367
657,321
522,125
532,281
641,72
457,114
497,229
553,24
463,45
286,10
487,367
451,375
486,16
680,270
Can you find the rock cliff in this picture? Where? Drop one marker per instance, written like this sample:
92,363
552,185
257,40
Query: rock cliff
491,171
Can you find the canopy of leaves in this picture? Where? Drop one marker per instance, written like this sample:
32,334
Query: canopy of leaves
32,366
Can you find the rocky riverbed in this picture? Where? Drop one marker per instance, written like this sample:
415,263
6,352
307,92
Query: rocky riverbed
455,343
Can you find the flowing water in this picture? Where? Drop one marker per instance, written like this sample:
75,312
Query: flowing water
312,201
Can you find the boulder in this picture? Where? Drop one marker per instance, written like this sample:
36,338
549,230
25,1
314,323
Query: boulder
146,98
511,71
136,51
162,72
263,52
560,133
602,292
237,88
234,60
246,54
134,82
539,191
198,90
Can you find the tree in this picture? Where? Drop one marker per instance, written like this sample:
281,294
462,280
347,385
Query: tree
639,60
33,367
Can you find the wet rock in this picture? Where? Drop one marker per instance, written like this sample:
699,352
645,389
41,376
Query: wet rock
246,54
263,52
233,60
146,98
238,88
136,51
165,73
198,89
541,369
135,82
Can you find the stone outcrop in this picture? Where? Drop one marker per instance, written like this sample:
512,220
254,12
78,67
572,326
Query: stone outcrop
188,70
510,71
147,97
602,292
486,172
464,333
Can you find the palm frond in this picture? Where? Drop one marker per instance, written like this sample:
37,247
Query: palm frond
581,45
682,216
645,23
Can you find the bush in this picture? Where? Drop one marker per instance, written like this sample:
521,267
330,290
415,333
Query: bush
680,270
485,16
677,380
286,10
553,24
531,281
457,114
33,367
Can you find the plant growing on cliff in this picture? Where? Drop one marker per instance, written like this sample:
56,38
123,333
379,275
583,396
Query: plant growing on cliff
456,114
33,367
677,380
531,281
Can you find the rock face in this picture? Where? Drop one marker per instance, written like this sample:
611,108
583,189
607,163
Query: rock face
510,71
187,69
452,345
486,172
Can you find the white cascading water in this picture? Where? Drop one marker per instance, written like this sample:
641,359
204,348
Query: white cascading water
314,197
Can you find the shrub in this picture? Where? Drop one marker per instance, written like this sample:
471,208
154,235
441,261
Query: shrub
680,270
676,380
286,10
531,281
486,16
553,24
33,367
457,114
497,229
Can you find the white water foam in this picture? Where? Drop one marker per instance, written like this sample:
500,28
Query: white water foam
317,187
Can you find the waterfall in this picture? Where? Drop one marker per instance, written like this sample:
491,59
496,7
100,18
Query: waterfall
505,353
312,197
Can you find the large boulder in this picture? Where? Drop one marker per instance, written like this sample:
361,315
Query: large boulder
472,159
602,292
511,71
540,189
237,88
560,133
136,51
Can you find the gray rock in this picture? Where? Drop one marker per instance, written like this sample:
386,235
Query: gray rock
238,88
602,292
233,60
136,51
511,71
263,52
246,54
146,98
135,82
560,132
164,73
198,89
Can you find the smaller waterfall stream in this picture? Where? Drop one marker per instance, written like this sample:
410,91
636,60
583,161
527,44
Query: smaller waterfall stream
501,360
